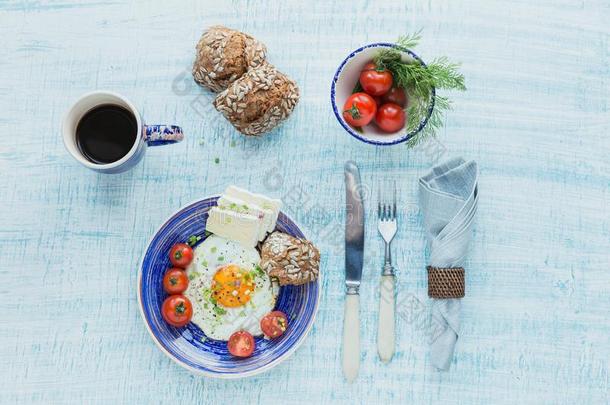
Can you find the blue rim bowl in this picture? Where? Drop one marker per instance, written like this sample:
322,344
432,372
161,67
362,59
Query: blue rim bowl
351,66
188,346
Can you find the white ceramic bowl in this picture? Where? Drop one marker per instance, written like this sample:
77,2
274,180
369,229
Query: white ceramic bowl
345,79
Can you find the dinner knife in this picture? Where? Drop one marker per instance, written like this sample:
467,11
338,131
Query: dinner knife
354,246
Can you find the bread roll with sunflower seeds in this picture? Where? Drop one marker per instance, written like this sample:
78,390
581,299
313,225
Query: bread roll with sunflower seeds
259,100
293,261
224,55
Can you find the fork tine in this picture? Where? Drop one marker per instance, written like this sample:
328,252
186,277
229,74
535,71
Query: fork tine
384,208
388,205
394,208
385,199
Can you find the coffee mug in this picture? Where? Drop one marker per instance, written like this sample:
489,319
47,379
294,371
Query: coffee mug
115,131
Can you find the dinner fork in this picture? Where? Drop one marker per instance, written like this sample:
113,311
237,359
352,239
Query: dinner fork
387,229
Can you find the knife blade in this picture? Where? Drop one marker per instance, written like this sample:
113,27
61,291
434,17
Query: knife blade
354,227
354,248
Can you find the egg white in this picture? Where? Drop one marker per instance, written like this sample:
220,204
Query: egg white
216,321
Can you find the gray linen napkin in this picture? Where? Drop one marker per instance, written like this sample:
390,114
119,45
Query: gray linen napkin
448,199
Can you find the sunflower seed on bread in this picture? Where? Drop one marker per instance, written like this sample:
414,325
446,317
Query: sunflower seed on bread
293,261
259,100
224,55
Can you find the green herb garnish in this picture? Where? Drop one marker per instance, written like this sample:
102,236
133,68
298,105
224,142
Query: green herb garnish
418,81
193,275
216,160
193,239
219,311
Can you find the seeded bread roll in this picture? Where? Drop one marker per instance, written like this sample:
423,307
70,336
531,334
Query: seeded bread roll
259,100
293,261
224,55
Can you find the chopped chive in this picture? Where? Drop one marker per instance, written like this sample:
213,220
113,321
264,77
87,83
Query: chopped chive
193,239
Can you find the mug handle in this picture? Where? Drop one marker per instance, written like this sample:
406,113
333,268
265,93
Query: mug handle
156,135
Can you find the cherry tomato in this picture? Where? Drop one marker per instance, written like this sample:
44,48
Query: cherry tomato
390,117
175,281
395,95
375,81
241,344
181,255
359,109
177,310
274,324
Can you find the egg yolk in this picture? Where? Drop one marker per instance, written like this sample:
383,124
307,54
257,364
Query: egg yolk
232,286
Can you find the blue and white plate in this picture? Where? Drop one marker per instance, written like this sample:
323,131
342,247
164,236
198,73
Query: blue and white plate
344,81
188,346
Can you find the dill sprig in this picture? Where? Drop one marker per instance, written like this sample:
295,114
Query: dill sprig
421,84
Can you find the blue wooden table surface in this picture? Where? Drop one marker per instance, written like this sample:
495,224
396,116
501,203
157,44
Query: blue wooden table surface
536,117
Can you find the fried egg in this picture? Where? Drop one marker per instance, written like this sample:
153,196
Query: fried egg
228,289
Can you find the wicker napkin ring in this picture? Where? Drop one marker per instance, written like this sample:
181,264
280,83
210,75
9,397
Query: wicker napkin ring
445,282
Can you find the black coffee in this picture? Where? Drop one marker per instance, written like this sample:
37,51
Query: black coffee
106,133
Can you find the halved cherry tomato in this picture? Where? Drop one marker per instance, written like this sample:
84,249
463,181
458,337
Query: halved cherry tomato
375,81
359,109
274,324
177,310
395,95
175,281
181,255
241,344
390,117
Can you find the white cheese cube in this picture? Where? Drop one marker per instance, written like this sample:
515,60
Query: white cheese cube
242,228
262,201
238,205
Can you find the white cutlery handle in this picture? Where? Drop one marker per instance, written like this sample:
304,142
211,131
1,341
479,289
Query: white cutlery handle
387,308
351,337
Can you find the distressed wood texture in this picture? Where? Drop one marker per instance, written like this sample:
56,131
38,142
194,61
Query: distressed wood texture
536,117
